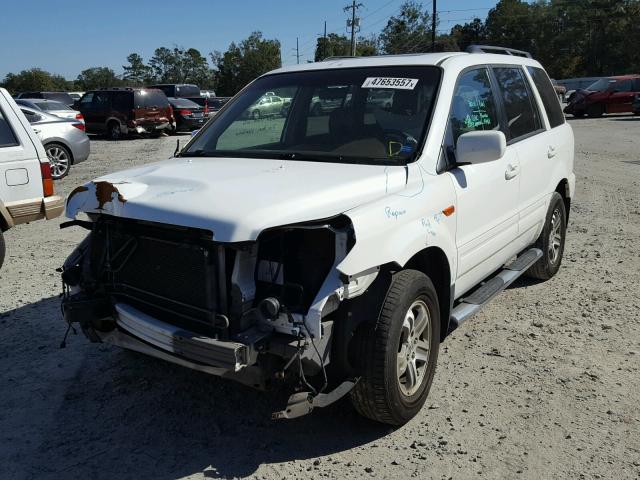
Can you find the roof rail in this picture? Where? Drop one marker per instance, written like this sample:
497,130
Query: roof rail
498,50
339,57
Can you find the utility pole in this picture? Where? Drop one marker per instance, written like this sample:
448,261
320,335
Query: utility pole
324,43
433,28
297,51
353,23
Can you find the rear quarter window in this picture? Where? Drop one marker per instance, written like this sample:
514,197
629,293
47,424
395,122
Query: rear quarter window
548,95
7,137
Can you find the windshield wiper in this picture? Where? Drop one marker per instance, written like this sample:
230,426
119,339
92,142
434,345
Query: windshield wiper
200,153
315,157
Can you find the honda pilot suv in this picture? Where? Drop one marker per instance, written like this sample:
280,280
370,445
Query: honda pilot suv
334,250
117,112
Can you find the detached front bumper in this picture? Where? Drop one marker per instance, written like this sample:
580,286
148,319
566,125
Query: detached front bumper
24,211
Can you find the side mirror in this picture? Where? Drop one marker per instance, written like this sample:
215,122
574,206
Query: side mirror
480,147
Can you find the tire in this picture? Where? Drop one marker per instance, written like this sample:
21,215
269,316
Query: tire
114,132
385,392
2,249
256,115
595,110
60,160
554,230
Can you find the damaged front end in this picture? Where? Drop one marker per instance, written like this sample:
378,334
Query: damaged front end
256,312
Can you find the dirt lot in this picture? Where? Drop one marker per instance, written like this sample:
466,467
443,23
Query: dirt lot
544,383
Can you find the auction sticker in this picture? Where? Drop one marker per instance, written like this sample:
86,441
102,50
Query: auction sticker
390,82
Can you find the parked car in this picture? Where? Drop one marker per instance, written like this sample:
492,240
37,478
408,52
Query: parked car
183,90
26,186
214,104
607,95
267,106
207,93
52,107
117,112
64,140
352,241
76,95
188,115
62,97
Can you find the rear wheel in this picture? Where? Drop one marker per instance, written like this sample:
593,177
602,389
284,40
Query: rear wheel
595,110
59,159
114,132
397,357
551,240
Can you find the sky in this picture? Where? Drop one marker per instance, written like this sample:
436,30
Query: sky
65,37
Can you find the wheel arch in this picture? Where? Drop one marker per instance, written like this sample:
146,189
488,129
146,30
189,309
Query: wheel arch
433,262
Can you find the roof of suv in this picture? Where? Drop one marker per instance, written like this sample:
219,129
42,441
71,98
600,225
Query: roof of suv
409,59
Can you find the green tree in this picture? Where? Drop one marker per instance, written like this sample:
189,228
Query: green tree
408,32
97,77
243,62
472,33
137,72
333,45
180,65
34,79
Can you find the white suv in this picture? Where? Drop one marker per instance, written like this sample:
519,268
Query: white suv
335,248
26,186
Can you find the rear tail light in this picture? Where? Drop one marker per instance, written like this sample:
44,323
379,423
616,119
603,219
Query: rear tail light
79,116
80,126
206,106
47,181
184,113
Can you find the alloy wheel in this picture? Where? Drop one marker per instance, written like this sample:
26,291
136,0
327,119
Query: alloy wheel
555,236
413,351
59,161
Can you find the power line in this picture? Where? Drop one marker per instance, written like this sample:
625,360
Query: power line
355,22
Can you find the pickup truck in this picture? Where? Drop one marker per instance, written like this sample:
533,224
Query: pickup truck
26,186
333,250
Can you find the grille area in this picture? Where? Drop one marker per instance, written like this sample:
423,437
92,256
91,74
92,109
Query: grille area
168,273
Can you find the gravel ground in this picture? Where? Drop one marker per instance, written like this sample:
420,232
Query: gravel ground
544,383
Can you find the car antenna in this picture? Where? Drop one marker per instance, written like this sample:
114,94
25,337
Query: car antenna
175,153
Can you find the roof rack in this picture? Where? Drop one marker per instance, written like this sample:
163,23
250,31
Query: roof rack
498,50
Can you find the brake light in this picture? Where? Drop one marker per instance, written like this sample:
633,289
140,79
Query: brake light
47,181
80,126
79,116
184,113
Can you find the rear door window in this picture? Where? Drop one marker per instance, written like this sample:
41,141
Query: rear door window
548,95
7,137
121,101
519,104
32,117
86,100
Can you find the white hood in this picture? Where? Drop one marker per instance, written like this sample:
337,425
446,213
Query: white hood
235,198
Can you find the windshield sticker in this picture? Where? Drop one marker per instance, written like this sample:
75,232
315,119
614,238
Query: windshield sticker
390,82
478,116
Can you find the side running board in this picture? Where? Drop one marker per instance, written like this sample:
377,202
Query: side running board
481,296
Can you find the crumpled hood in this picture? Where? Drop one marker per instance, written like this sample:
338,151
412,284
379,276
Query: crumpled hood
235,198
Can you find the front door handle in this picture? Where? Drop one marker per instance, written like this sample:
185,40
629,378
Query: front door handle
511,172
551,152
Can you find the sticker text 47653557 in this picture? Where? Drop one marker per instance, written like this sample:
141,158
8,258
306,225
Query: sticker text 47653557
390,82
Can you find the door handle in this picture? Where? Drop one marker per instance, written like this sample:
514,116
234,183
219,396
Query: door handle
36,130
551,152
511,172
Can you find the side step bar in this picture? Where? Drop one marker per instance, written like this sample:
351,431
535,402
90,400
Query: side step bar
483,295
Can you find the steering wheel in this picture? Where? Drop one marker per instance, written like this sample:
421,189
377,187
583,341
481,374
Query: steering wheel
397,142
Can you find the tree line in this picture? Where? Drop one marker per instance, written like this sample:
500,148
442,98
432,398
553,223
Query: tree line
571,38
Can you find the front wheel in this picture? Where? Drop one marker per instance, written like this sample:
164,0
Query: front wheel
59,159
397,357
551,240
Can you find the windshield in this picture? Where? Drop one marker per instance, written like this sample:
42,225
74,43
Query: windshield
601,85
375,115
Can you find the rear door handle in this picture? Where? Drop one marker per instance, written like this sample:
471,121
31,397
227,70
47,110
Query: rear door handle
551,152
511,172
